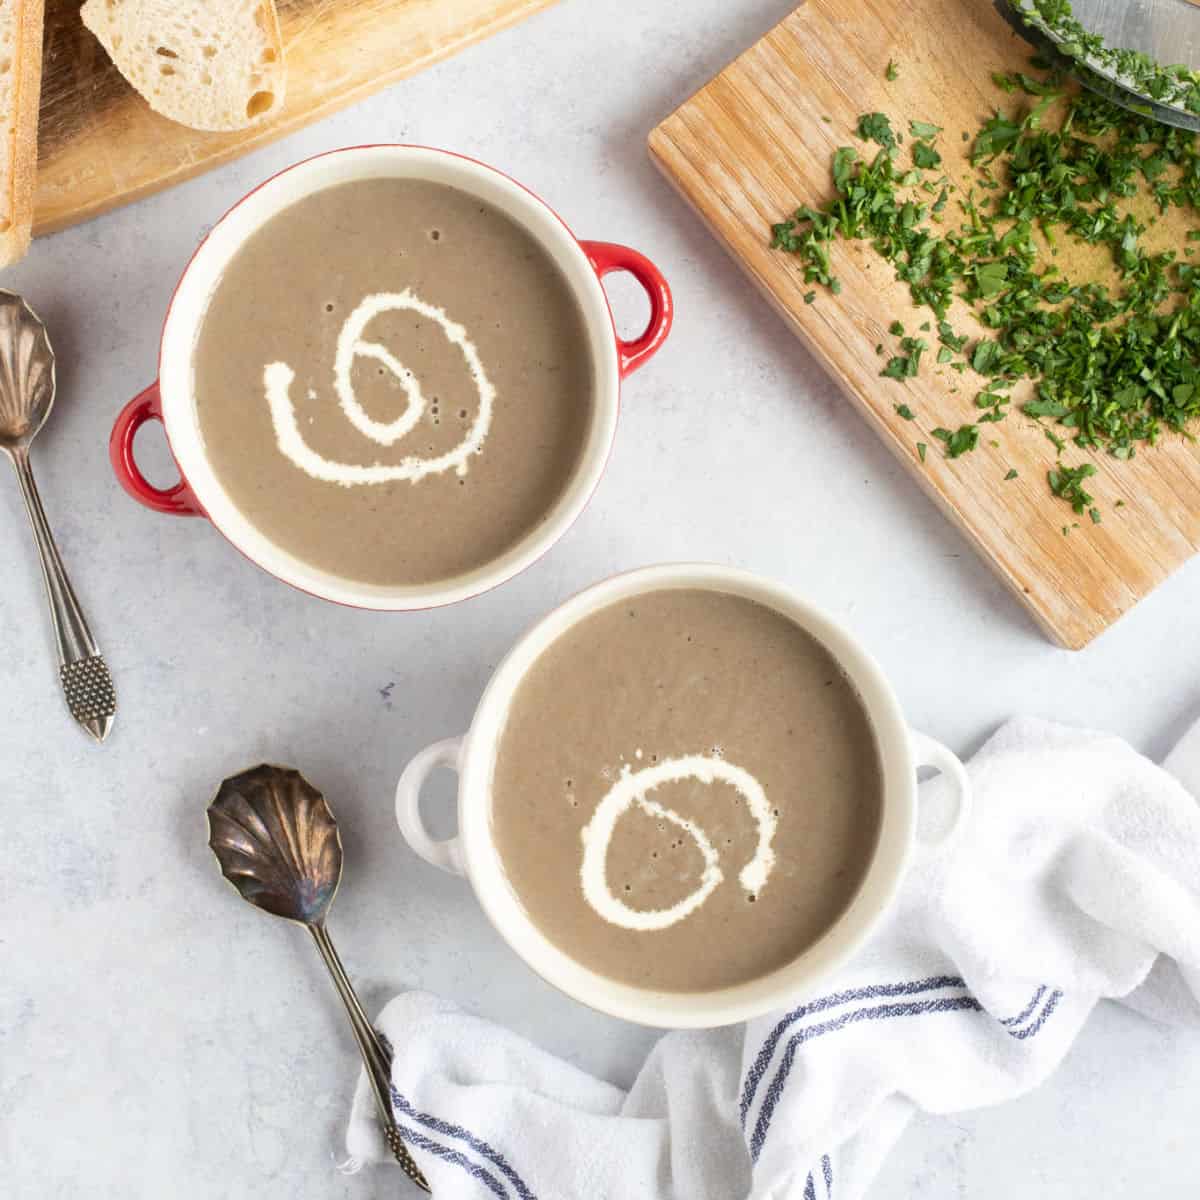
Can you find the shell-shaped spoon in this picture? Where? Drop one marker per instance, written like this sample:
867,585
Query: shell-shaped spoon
26,398
278,844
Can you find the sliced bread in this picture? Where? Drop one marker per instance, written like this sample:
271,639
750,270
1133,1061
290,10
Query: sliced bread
20,90
210,64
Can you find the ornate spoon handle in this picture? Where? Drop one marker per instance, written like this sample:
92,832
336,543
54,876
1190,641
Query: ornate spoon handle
375,1057
84,675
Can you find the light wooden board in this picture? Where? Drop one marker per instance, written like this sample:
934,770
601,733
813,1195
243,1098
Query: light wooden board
755,143
100,145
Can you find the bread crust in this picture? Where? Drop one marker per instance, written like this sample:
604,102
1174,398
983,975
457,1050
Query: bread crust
26,97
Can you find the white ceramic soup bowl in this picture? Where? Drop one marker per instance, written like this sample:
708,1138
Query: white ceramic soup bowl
171,399
473,853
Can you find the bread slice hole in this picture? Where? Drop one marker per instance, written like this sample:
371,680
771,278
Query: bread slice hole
5,224
210,52
269,55
166,69
5,66
166,52
259,103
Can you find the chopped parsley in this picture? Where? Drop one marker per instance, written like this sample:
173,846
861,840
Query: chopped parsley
892,73
962,440
1067,484
906,365
1108,367
925,156
876,127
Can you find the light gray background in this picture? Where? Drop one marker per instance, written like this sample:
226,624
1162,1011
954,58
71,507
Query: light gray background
159,1038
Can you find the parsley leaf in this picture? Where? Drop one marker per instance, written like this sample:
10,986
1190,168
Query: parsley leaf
875,127
925,156
996,136
962,440
1067,484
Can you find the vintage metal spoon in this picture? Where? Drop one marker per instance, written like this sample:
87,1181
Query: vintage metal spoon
278,844
26,397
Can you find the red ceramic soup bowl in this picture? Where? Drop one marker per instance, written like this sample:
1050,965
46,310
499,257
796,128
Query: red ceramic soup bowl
172,400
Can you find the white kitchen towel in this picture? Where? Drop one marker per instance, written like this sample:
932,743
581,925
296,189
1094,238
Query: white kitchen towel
1076,878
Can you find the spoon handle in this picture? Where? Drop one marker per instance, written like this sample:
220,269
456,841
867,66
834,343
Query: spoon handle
375,1056
83,674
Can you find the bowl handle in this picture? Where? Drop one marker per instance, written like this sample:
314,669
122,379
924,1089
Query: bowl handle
607,257
178,500
930,753
446,853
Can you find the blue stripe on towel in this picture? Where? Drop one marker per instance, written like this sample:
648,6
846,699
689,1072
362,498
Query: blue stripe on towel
1037,997
827,1171
875,991
810,1190
482,1148
416,1138
1030,1030
879,1012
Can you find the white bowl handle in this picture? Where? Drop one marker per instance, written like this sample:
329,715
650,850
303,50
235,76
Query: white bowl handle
930,753
446,853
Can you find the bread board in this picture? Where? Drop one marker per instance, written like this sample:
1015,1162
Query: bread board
757,141
100,145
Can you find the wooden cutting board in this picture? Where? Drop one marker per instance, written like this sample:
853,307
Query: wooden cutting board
757,141
100,145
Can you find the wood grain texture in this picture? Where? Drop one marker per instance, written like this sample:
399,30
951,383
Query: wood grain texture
757,141
100,145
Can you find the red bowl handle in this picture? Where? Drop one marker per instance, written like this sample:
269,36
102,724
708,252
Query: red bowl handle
179,499
607,257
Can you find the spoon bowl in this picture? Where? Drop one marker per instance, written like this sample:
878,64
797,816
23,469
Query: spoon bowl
277,843
26,373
